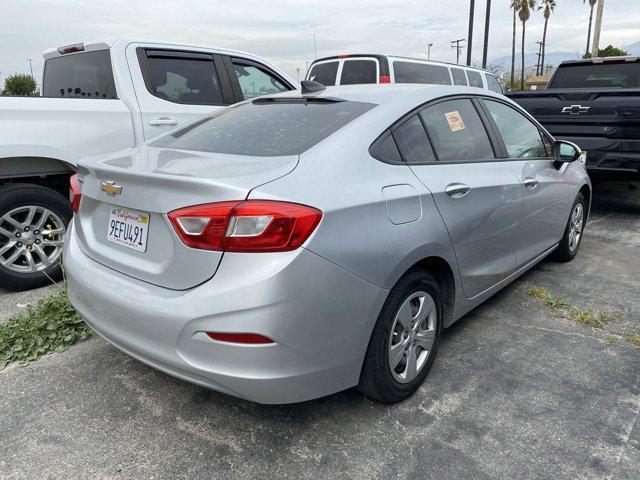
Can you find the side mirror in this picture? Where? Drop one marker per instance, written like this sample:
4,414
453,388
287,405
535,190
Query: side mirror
566,151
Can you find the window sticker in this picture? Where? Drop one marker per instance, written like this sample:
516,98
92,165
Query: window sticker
455,121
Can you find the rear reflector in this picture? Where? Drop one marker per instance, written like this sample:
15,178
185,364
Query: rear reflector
75,192
77,47
385,79
246,338
245,226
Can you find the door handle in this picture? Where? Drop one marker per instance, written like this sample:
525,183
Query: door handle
457,190
530,182
156,122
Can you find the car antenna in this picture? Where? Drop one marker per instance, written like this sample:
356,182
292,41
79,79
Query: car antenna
309,86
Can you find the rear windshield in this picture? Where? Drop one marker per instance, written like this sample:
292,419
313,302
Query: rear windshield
80,75
411,72
265,127
325,73
603,75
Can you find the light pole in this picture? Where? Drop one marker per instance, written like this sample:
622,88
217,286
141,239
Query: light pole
486,35
30,67
472,6
315,48
429,45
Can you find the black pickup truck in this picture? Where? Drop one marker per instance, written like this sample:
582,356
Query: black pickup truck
594,103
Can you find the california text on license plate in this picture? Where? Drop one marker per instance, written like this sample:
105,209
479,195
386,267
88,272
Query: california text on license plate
128,227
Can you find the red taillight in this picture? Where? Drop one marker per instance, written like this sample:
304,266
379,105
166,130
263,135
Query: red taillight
343,56
246,338
385,79
76,47
75,192
247,226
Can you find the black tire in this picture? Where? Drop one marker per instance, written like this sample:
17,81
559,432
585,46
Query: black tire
564,252
376,378
17,195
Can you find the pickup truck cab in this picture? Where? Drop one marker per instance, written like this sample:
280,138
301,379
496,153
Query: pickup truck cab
99,97
361,68
594,103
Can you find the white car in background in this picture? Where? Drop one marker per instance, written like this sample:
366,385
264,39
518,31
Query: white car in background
99,97
355,69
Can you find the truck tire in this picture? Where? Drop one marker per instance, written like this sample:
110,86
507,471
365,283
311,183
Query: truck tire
33,220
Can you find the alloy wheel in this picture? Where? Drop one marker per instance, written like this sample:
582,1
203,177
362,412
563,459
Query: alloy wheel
575,227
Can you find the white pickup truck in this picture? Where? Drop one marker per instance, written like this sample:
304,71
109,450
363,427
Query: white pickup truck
99,97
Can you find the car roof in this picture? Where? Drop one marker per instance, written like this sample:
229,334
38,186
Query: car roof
398,57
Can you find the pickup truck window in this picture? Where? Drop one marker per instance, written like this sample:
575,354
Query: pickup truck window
192,81
602,75
255,81
79,75
265,127
414,72
521,137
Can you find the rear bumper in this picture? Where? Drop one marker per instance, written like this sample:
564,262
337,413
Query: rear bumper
319,314
609,159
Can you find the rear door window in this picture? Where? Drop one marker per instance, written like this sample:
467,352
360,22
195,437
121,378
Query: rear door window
475,79
456,131
521,136
184,78
359,71
413,72
265,127
413,142
256,81
459,78
492,83
79,75
324,73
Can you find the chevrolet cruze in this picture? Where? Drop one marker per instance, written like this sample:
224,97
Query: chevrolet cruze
303,243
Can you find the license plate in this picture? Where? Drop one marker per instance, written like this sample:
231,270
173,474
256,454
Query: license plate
128,228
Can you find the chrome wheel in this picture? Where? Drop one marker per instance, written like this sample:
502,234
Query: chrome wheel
30,239
575,227
412,336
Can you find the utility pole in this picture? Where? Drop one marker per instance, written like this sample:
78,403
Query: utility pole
455,45
472,6
539,66
596,30
429,45
486,35
30,67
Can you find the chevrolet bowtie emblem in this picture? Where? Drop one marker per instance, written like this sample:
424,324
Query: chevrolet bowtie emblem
110,188
575,109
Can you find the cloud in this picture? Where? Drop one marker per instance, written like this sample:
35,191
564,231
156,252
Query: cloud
282,31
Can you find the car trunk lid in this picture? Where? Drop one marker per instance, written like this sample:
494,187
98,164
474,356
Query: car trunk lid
152,182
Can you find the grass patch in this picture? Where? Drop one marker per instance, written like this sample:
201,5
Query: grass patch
584,317
51,326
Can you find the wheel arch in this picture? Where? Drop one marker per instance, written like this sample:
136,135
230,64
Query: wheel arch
585,190
49,172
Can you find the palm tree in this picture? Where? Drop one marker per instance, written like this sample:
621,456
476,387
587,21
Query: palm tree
592,3
547,7
514,6
524,13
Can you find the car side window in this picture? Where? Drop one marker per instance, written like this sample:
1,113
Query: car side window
459,78
475,79
456,131
324,73
185,79
388,150
492,83
415,72
255,82
521,136
413,142
358,71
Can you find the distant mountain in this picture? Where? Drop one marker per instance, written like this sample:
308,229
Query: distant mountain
633,49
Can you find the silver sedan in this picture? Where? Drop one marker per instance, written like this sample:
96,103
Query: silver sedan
296,245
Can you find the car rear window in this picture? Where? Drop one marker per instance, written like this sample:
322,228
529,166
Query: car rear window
265,127
412,72
358,71
475,79
604,75
324,73
79,75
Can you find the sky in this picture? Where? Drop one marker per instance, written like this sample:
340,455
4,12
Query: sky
283,31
